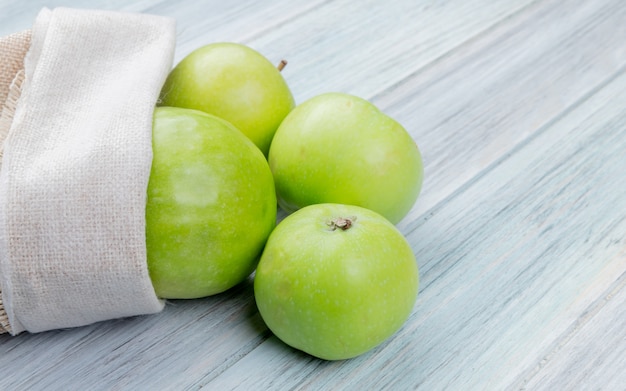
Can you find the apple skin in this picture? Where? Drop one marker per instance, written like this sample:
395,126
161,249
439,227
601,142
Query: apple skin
335,294
339,148
234,82
211,205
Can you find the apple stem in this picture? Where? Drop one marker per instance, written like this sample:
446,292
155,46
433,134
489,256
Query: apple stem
343,223
281,65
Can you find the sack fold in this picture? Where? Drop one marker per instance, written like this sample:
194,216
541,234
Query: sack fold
75,168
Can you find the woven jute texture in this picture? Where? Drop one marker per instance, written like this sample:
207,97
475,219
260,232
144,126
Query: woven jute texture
13,48
6,117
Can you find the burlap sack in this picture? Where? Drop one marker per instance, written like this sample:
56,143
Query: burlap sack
12,52
75,167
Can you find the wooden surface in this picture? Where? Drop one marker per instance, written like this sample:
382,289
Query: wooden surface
519,109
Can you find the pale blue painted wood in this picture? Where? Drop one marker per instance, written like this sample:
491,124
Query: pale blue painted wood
514,269
365,47
469,109
518,108
592,354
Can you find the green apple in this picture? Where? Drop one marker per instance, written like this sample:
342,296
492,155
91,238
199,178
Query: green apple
211,205
339,148
233,82
335,280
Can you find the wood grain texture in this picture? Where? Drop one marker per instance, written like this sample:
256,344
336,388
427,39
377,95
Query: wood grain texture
512,268
593,354
378,44
519,109
467,110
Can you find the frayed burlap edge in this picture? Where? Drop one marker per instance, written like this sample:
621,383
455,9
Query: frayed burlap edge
6,118
8,110
5,327
13,48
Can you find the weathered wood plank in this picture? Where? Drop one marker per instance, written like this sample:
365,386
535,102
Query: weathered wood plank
593,354
536,256
511,266
551,51
199,22
470,108
186,343
19,15
205,22
364,47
